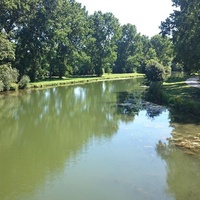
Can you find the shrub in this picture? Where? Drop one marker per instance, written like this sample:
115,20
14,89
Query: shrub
8,75
1,86
156,72
24,82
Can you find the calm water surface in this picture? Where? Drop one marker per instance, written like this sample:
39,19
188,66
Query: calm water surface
76,143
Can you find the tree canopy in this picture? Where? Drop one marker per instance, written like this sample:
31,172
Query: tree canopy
43,39
183,25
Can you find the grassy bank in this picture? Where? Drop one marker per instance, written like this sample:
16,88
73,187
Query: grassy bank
182,97
80,80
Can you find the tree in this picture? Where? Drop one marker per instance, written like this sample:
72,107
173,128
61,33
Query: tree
7,50
106,32
7,55
163,48
35,39
183,26
155,72
8,75
79,38
126,51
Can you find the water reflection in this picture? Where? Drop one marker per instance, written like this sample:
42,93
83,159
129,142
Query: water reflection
183,176
131,103
181,154
40,131
43,132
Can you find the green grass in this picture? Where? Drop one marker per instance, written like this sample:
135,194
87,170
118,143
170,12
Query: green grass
182,98
80,79
177,88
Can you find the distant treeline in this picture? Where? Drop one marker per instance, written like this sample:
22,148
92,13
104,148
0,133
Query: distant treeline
45,38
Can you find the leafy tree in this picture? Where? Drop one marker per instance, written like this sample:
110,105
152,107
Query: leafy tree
126,52
7,55
106,32
183,26
35,39
79,38
7,76
155,72
150,55
146,53
7,51
163,48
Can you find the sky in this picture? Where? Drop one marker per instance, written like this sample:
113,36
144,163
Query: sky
146,15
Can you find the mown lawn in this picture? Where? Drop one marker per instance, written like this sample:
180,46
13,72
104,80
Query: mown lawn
182,98
80,79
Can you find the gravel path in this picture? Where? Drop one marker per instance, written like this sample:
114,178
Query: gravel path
193,82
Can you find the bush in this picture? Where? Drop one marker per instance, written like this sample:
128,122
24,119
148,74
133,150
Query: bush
1,86
24,82
156,72
8,75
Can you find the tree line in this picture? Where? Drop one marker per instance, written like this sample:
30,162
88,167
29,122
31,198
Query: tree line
183,26
55,38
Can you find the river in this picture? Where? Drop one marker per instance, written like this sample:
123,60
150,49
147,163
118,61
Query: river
83,143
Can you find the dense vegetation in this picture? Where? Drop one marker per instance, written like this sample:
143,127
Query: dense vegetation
183,25
43,39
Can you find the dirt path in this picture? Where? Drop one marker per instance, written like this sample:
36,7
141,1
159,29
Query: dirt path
193,82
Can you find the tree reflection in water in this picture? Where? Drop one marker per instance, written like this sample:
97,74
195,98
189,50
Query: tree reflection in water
43,131
182,157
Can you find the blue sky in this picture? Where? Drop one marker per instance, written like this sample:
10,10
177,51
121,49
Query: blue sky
145,14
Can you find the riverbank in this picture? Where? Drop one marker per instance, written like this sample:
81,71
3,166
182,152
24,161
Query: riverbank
182,98
72,80
81,80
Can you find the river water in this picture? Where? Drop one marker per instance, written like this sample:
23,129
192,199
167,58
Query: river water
83,143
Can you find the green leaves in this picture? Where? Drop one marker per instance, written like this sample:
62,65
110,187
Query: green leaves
155,71
7,53
46,38
106,32
184,27
7,76
163,48
127,47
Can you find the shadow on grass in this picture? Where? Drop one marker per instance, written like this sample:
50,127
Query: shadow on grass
178,88
183,100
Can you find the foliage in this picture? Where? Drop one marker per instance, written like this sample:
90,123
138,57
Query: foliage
24,81
105,31
1,86
163,48
128,45
183,100
156,71
7,76
7,53
45,39
183,26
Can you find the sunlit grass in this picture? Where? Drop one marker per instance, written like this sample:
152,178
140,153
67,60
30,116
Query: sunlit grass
80,79
182,97
179,88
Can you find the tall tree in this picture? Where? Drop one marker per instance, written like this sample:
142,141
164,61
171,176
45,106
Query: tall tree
106,32
127,45
183,26
8,75
164,49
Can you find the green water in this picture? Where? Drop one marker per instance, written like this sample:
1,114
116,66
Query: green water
76,143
